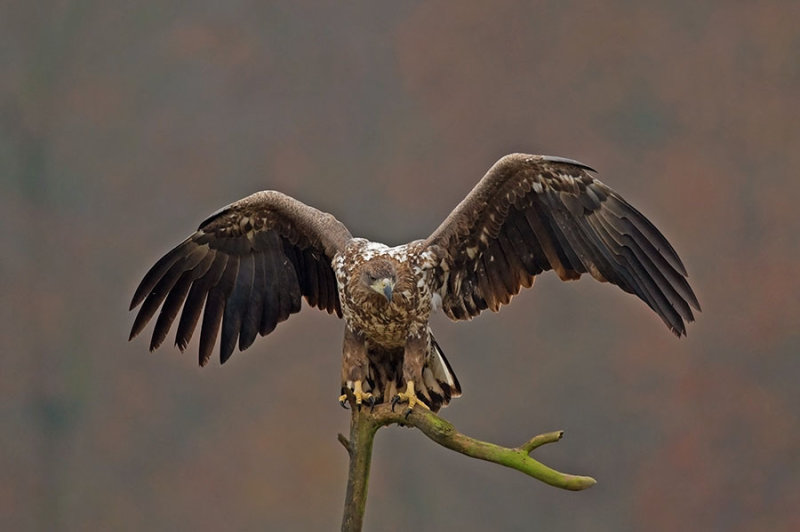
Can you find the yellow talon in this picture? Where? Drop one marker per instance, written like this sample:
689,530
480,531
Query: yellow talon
409,396
360,395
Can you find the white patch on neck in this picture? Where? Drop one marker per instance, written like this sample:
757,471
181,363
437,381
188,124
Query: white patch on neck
370,250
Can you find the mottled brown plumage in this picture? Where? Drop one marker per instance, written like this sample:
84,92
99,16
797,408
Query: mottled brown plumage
247,267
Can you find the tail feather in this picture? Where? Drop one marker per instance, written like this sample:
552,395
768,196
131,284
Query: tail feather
442,369
385,372
439,378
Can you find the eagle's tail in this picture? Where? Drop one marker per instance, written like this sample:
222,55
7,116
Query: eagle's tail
439,379
439,383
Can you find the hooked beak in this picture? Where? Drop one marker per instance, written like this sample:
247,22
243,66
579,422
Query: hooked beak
385,287
387,291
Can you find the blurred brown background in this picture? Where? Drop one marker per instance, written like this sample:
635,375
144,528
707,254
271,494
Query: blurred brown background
123,124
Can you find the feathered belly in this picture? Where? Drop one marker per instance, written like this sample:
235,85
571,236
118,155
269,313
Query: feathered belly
387,326
388,329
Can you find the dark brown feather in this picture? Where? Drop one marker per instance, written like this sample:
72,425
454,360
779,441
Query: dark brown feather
526,244
236,305
193,306
322,288
517,274
251,319
158,270
176,297
271,312
484,286
311,279
190,256
221,313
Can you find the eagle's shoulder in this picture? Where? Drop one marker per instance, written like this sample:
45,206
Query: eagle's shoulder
358,251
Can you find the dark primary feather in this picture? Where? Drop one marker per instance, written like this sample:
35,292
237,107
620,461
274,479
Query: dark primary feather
245,270
534,213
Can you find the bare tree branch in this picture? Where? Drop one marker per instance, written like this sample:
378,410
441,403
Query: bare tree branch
365,422
541,439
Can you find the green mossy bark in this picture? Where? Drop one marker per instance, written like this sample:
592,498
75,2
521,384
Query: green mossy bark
364,424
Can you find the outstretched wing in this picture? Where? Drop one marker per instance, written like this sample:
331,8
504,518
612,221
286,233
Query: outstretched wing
534,213
248,265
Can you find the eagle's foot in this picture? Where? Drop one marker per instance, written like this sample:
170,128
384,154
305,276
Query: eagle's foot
409,396
361,396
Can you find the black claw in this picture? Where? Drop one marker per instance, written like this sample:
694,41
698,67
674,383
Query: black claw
343,402
395,400
408,413
371,403
359,406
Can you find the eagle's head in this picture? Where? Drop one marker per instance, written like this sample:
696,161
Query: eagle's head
380,275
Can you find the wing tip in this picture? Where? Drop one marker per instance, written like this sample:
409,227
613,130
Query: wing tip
140,295
693,301
681,329
226,354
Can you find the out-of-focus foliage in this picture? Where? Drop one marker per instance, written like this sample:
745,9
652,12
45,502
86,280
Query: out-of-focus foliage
123,124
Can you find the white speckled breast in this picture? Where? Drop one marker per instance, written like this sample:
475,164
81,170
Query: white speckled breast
368,313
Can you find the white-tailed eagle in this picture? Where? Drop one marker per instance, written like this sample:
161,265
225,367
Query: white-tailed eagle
248,265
